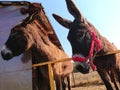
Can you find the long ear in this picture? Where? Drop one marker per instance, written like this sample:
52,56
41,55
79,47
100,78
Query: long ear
64,22
73,9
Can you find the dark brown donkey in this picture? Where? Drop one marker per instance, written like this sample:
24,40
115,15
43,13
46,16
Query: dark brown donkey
86,43
35,34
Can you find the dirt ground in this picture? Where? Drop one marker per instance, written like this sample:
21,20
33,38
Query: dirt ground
90,81
92,87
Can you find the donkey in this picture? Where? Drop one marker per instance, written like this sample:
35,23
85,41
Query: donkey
86,43
33,34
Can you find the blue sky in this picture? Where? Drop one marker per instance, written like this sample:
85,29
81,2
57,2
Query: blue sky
103,14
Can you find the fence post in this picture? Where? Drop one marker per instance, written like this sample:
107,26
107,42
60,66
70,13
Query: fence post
52,86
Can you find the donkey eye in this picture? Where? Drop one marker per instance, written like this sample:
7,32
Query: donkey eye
80,35
16,34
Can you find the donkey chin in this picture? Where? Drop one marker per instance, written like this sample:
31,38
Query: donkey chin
6,53
82,67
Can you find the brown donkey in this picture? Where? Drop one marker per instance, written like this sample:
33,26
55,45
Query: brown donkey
35,34
86,43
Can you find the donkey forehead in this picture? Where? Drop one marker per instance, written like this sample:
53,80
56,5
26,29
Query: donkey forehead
76,24
78,27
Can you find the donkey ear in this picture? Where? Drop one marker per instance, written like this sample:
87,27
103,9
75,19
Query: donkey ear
72,8
64,22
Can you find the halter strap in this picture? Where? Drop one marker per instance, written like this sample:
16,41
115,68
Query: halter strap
95,42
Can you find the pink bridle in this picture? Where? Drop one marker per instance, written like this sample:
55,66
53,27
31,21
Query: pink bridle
95,41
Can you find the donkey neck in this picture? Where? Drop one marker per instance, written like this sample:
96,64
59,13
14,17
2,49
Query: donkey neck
47,53
44,50
106,46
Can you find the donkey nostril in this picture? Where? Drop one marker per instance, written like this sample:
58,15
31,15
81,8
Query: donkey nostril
83,68
8,55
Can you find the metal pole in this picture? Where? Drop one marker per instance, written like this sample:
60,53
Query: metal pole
52,86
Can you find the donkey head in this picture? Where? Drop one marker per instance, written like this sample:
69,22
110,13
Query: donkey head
22,36
79,34
17,43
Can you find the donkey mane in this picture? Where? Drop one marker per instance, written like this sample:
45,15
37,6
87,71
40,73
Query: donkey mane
106,45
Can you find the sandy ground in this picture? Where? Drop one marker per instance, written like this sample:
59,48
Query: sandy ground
90,81
92,87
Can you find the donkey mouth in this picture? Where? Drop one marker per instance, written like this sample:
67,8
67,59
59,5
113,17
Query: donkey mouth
6,56
6,53
81,64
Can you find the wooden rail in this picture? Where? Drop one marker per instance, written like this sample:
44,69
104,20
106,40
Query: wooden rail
50,70
109,53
